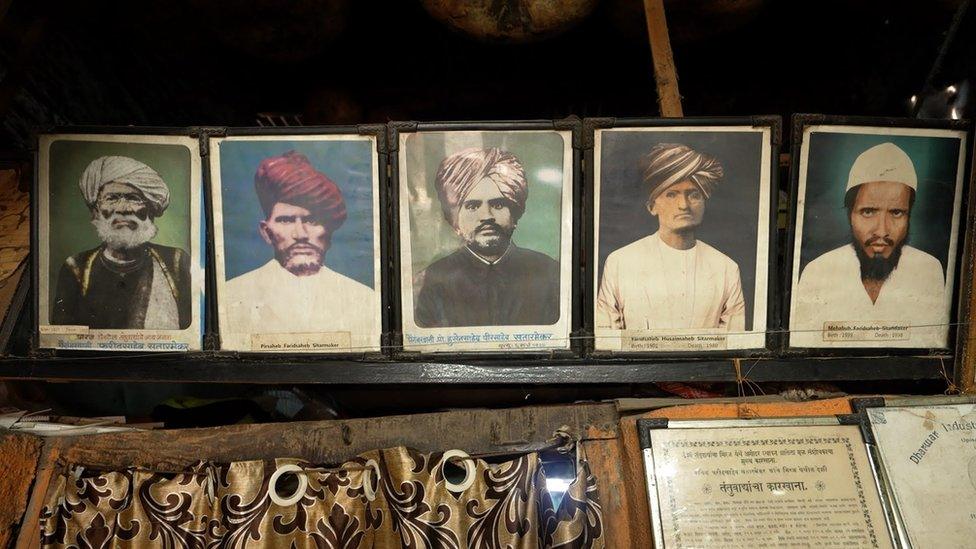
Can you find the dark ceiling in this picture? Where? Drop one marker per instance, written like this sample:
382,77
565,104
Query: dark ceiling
198,62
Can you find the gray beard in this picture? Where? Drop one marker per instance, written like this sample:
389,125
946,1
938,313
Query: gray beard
124,238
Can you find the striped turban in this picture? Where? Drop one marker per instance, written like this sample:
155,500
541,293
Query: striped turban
122,169
671,163
292,179
461,171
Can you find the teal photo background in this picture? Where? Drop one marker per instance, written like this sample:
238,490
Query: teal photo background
831,155
541,155
69,224
348,163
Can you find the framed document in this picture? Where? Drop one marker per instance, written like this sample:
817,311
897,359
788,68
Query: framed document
683,234
876,223
119,240
926,452
298,239
802,482
486,221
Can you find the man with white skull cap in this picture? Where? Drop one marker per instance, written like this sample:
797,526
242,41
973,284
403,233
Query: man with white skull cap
127,282
878,277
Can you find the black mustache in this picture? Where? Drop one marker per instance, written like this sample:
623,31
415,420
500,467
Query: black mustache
886,241
489,225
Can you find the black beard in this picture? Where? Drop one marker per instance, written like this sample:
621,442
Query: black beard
878,267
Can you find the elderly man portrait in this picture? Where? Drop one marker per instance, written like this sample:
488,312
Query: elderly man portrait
295,291
671,279
127,282
488,281
877,275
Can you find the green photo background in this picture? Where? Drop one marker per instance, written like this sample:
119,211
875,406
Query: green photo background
541,154
831,155
69,223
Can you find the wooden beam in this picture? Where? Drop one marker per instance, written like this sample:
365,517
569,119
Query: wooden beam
665,74
965,377
335,441
18,454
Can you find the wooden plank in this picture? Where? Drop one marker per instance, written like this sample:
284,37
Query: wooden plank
665,74
965,378
30,528
272,370
635,499
18,454
474,431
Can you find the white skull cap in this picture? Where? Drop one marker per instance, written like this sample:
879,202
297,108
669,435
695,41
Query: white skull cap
884,162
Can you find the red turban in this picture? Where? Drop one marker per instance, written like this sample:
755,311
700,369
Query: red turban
292,179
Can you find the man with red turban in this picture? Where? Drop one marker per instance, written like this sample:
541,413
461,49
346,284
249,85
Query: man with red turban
295,292
489,281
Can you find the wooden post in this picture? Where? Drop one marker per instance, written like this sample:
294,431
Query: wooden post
665,74
965,363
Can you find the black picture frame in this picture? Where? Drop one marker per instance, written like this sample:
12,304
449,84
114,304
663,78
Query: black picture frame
590,269
572,124
379,131
34,345
799,122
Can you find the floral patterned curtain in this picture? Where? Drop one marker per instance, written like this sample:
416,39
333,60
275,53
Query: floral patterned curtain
388,498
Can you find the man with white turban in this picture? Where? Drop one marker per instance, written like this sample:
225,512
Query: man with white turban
489,281
671,279
877,277
127,282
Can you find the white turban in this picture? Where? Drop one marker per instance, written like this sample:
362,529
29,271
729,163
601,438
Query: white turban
122,169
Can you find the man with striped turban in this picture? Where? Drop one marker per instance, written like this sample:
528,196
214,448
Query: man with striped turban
127,282
488,281
295,292
670,279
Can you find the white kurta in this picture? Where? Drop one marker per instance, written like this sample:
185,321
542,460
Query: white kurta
648,285
271,300
830,290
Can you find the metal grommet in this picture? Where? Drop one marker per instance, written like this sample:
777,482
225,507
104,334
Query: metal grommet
469,470
273,485
368,489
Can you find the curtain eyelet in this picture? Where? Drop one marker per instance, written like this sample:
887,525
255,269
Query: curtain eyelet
469,470
369,488
273,485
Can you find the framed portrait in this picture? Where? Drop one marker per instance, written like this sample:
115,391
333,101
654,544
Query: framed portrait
119,239
786,482
876,221
683,234
486,218
298,239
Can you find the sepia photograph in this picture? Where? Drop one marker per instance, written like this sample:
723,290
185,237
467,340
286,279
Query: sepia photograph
119,230
485,240
682,237
297,241
875,241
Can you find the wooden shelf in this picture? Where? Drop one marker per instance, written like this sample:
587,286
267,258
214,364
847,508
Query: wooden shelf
204,367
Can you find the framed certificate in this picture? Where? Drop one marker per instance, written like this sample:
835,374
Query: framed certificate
800,482
119,239
926,453
298,240
683,231
487,224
